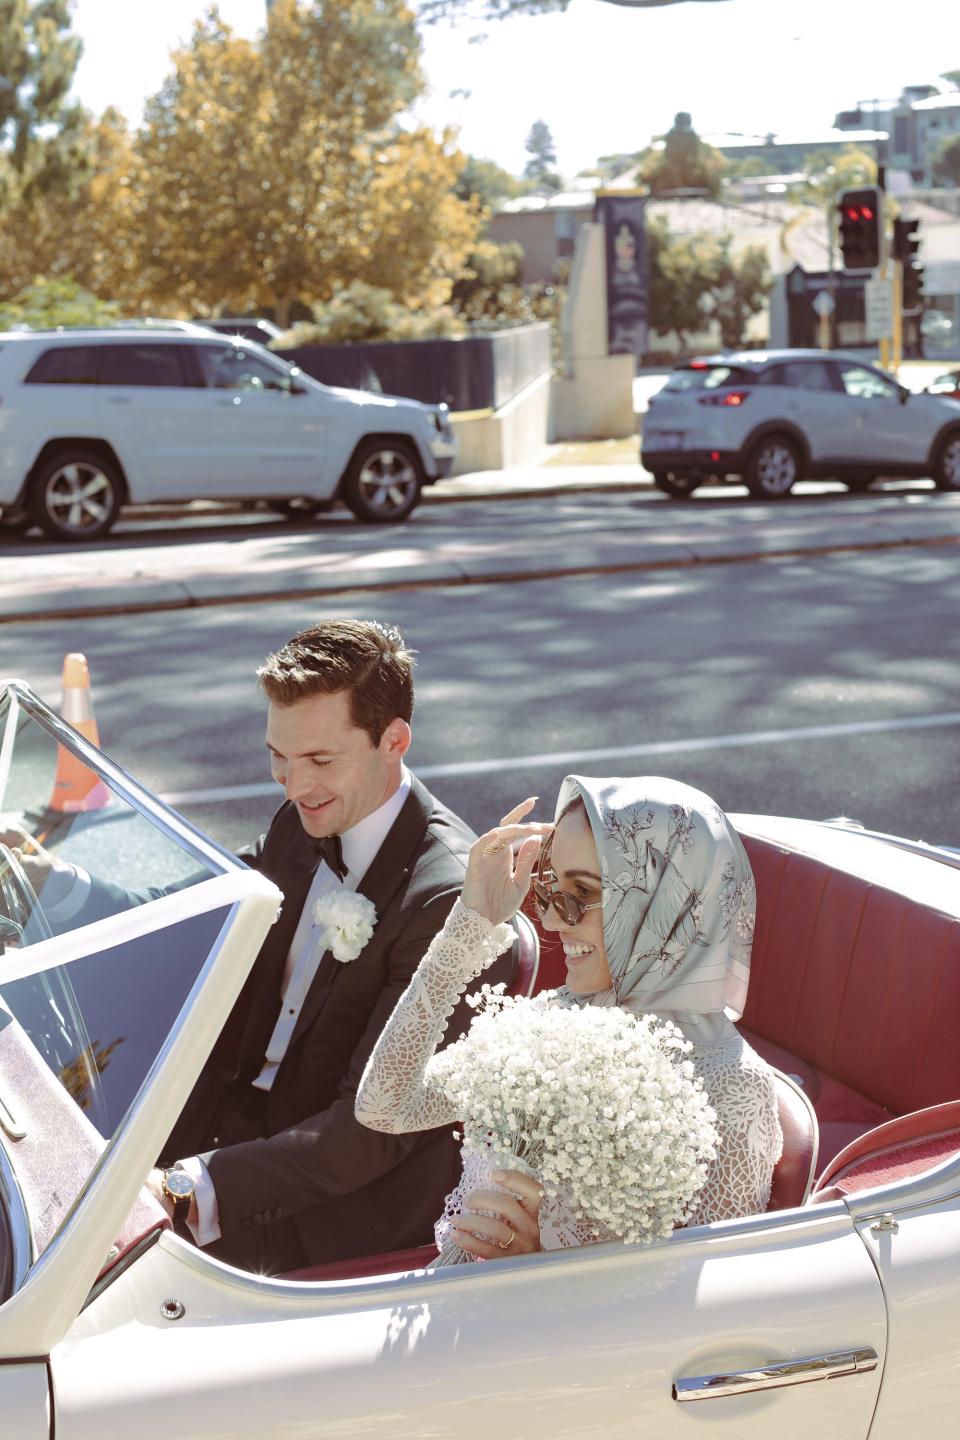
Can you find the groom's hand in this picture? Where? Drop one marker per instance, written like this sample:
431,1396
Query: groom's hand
501,865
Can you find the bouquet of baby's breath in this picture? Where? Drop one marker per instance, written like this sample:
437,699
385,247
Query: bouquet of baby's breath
600,1104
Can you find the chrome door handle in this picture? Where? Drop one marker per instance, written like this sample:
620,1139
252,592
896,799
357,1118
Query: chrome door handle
782,1372
235,400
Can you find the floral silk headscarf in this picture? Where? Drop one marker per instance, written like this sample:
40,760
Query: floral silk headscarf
678,900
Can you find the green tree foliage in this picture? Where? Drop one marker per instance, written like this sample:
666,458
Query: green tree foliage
491,295
272,171
685,162
48,303
696,281
543,156
487,183
946,162
361,312
42,135
952,77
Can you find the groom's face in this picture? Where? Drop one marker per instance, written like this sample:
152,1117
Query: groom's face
330,768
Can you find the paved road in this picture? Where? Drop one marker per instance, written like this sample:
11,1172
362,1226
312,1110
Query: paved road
528,676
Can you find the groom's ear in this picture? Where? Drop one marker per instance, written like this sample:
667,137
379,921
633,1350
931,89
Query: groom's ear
395,740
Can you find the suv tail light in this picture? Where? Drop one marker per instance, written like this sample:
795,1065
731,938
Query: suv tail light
731,397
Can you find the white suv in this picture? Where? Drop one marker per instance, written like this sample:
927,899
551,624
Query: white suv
773,417
92,420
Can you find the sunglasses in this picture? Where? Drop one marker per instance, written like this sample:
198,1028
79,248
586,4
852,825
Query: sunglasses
570,908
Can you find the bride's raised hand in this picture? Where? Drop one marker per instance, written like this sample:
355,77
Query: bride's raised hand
501,864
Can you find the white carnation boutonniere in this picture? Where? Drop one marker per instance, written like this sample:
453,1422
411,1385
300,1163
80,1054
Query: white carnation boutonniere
348,919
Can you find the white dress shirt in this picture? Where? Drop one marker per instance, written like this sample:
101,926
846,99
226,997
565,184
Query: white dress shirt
360,846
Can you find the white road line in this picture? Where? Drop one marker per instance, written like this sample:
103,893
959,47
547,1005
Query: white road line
570,758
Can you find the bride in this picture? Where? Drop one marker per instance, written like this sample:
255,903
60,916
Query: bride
650,891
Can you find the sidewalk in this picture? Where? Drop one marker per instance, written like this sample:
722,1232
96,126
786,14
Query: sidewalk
265,563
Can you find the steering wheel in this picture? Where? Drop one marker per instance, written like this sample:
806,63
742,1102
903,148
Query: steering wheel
19,905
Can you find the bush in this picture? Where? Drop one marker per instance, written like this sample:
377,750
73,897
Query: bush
48,303
362,312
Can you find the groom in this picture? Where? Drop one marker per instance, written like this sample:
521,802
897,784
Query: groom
267,1165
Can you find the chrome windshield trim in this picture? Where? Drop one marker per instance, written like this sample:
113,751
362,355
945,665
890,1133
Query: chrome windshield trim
18,1220
123,784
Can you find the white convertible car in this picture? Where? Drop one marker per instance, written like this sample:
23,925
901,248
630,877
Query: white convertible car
834,1314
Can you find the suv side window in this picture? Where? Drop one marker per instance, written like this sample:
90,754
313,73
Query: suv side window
867,384
156,366
65,365
232,368
800,375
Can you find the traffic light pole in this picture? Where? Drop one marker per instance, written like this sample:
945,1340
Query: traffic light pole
897,315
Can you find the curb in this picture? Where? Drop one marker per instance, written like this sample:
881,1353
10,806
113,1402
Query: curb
163,594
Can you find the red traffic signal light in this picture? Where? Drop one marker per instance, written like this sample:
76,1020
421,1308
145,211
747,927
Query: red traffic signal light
861,228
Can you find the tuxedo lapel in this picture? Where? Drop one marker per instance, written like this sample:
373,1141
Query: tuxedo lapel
387,872
267,978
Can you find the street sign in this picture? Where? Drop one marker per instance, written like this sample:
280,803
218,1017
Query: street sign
878,308
824,303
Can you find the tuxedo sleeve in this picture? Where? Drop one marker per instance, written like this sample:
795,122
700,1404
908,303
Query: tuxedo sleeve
331,1153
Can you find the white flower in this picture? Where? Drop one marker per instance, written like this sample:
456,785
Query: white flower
348,919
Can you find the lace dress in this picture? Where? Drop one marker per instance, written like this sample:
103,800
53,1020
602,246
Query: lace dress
398,1093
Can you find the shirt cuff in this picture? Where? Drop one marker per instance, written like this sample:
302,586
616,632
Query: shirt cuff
65,909
206,1229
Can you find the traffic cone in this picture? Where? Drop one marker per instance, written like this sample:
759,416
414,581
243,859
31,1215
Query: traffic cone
77,788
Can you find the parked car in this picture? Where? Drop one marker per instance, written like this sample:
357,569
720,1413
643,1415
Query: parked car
946,386
243,329
92,420
771,418
111,1325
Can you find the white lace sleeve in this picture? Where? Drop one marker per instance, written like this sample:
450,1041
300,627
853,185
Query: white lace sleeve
741,1090
397,1093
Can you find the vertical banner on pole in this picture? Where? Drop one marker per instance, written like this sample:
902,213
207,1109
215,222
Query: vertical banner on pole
622,213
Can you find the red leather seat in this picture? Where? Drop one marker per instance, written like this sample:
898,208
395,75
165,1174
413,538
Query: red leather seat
794,1171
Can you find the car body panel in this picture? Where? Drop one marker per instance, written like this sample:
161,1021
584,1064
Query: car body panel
467,1352
26,1411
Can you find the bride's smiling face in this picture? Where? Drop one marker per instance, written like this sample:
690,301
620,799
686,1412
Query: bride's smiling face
575,869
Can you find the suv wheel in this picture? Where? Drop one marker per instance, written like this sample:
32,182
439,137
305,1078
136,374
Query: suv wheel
773,468
383,482
681,487
75,495
946,467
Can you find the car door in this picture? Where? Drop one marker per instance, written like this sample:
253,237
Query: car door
268,435
888,429
807,393
153,409
593,1341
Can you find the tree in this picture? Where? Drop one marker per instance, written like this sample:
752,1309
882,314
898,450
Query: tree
491,294
487,184
739,290
684,162
292,152
48,303
543,157
41,134
946,162
696,281
952,77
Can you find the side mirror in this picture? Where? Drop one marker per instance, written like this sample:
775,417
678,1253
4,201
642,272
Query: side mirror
904,394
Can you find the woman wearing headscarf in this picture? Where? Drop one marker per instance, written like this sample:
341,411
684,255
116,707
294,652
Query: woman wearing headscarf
650,892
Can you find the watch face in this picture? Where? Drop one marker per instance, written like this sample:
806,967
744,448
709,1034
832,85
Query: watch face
178,1182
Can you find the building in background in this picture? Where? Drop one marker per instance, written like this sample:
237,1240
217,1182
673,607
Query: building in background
917,125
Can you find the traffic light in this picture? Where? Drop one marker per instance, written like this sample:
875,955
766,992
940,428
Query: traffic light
861,228
906,243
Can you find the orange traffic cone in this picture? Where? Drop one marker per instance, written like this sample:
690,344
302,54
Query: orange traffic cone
76,787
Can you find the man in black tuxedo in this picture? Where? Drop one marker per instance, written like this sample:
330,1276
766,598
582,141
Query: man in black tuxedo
278,1172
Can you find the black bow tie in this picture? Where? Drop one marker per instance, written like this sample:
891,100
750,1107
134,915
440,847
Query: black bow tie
330,850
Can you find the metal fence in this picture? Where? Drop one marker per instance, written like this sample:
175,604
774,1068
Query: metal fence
473,372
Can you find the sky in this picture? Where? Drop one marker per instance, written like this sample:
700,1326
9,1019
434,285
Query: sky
604,77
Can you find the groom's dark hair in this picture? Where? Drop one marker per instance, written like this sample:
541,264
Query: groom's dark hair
369,661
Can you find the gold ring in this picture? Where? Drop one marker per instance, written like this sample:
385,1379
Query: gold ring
491,849
505,1244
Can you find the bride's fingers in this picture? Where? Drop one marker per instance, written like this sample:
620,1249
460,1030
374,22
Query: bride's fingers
523,808
525,862
528,1191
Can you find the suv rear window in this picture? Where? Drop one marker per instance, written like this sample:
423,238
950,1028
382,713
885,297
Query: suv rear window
65,365
708,377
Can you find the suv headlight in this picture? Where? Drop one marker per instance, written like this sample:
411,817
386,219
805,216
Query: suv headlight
441,418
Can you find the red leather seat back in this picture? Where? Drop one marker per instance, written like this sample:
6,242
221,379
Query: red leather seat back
854,977
794,1171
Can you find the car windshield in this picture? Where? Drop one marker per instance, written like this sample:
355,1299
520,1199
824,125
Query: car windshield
708,377
92,974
